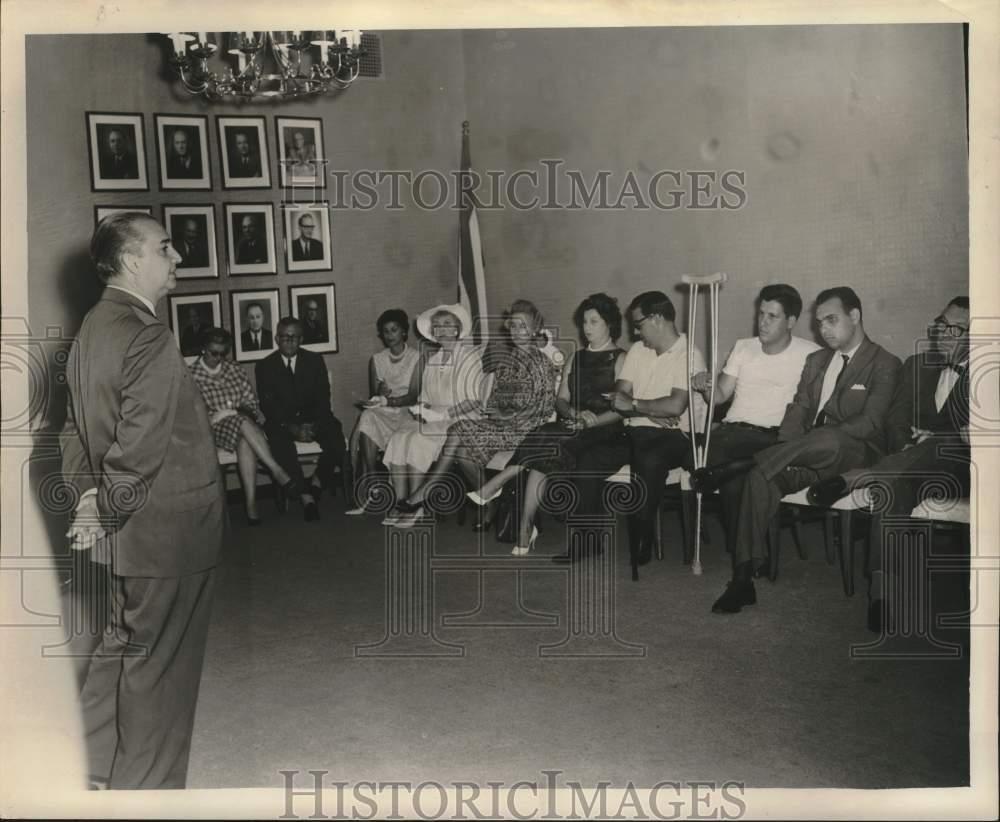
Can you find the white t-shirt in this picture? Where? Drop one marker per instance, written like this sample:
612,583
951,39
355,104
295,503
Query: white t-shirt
765,383
655,375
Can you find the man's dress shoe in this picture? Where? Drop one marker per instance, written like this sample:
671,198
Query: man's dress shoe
310,511
826,492
735,597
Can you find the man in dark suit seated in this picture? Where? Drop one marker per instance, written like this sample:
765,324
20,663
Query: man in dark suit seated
117,160
294,391
191,246
182,163
836,422
927,431
256,337
243,162
305,247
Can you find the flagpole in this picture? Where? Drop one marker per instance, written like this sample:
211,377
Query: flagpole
471,270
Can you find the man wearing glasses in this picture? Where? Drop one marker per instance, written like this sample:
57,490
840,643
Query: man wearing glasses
927,430
294,390
305,247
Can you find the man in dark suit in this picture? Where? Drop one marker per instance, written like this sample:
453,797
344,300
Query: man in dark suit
305,247
191,245
255,337
294,390
313,326
243,162
191,342
927,431
251,249
836,422
117,160
182,162
138,449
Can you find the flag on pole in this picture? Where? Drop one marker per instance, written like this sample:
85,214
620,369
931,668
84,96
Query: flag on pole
471,274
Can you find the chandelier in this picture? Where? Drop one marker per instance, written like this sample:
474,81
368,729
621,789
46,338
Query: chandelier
267,64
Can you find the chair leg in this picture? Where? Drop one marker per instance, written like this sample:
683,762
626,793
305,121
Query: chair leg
828,536
800,547
658,532
687,525
774,546
846,544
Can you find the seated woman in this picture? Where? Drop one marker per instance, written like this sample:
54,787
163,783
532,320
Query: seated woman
394,385
236,417
522,399
585,415
451,386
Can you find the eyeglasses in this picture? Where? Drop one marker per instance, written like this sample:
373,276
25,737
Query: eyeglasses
289,336
637,324
940,324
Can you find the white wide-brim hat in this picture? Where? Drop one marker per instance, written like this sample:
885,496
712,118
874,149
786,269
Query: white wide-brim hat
465,321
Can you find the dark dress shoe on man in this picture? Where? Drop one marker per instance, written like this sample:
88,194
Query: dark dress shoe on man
706,480
826,492
645,552
735,597
310,512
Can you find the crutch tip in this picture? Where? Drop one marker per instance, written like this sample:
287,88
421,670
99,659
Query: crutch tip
696,568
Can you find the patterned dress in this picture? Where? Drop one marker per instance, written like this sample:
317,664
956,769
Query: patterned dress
379,424
553,447
447,381
228,387
524,387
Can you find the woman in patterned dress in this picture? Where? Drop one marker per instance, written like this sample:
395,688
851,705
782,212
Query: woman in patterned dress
236,418
522,399
394,385
585,414
451,389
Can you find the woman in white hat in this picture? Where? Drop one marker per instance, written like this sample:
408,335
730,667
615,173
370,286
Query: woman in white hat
522,399
451,390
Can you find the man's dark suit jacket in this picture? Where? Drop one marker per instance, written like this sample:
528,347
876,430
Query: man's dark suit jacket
306,398
266,340
127,169
858,406
315,251
914,403
237,169
251,251
191,340
157,473
198,258
176,169
314,333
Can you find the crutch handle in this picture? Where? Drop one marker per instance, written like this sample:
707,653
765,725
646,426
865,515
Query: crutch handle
705,279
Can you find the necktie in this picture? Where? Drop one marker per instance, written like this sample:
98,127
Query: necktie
256,341
821,419
288,365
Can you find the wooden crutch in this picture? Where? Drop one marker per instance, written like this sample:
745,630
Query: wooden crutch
700,452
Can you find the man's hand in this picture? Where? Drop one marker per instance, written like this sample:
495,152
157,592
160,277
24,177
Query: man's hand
588,418
620,401
667,422
702,382
919,434
86,530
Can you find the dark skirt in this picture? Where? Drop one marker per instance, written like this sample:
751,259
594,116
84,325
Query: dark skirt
554,448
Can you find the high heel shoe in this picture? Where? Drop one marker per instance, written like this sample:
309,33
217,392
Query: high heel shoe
251,521
519,551
481,501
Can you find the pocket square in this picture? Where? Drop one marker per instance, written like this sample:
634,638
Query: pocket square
858,387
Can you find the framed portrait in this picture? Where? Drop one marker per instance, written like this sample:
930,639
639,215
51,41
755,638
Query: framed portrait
182,152
250,238
192,233
102,211
316,307
307,237
191,315
243,149
255,318
301,160
117,152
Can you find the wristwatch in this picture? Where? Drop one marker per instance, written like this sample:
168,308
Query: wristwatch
635,404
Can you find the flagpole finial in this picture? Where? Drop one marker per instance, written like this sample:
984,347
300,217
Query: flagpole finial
465,128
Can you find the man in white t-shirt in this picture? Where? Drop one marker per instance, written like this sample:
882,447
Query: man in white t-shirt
651,394
760,377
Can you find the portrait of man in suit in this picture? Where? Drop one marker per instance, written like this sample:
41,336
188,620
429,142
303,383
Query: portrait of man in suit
305,246
244,155
116,156
195,326
294,390
183,155
256,336
138,449
190,241
252,246
314,327
301,151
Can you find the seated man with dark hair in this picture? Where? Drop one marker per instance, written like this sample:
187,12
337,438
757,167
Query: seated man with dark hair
834,423
294,391
927,430
760,377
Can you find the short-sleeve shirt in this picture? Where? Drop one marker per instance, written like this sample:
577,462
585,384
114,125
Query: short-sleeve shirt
655,375
765,383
